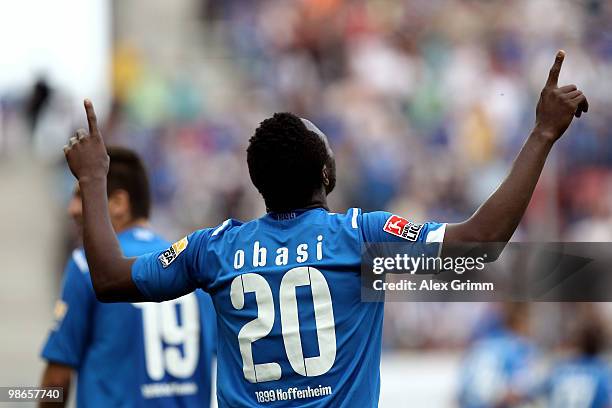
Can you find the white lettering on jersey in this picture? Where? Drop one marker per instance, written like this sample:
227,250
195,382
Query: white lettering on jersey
239,259
302,252
319,247
259,255
282,255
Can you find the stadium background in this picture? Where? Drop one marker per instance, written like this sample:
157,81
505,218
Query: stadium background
425,104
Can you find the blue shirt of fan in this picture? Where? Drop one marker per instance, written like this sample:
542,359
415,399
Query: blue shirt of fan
581,382
133,355
496,365
292,328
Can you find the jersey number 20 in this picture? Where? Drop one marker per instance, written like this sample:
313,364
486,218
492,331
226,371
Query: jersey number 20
290,325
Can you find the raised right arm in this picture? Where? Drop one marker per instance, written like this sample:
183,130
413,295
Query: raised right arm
112,273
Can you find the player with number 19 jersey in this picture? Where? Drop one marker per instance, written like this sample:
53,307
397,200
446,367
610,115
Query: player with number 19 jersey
133,354
292,328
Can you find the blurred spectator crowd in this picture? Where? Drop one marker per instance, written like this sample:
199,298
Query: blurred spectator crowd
425,102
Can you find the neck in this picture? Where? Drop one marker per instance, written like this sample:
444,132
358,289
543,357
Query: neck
318,203
139,222
318,200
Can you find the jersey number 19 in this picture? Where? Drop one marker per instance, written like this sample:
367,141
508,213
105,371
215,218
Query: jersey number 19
175,323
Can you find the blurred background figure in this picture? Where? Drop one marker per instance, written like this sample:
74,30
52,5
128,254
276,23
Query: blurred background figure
128,354
584,379
37,101
424,102
503,363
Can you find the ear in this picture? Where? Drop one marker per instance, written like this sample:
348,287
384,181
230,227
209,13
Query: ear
119,204
325,175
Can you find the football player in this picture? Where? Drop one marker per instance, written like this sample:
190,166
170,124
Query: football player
584,380
293,330
501,366
129,354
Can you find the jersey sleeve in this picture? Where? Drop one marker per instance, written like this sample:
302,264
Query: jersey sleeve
174,272
68,339
381,227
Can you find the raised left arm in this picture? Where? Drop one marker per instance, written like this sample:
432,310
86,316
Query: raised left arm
497,219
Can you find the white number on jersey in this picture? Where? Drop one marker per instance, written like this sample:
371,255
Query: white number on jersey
575,391
261,327
161,325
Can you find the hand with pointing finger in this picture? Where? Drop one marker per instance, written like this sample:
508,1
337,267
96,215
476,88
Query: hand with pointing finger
558,105
85,153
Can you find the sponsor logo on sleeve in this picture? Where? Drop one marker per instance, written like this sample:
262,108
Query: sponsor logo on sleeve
170,254
402,228
60,309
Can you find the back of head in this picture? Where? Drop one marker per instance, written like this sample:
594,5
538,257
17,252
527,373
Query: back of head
285,162
590,339
127,172
516,316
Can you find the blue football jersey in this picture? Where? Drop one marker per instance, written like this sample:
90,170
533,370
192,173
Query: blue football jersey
292,328
496,366
584,382
133,355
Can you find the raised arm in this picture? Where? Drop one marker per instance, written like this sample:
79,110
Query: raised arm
110,271
497,219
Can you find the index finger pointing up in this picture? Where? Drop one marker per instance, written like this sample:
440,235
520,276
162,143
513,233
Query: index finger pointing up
553,75
92,121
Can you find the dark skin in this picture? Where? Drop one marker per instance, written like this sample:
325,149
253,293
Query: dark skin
57,375
495,221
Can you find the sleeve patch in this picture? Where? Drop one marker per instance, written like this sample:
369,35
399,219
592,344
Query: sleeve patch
401,227
170,254
60,309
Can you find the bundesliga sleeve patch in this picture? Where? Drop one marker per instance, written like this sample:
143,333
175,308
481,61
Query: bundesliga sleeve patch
60,309
402,228
170,254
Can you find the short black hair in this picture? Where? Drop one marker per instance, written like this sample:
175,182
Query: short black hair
591,339
127,172
285,162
